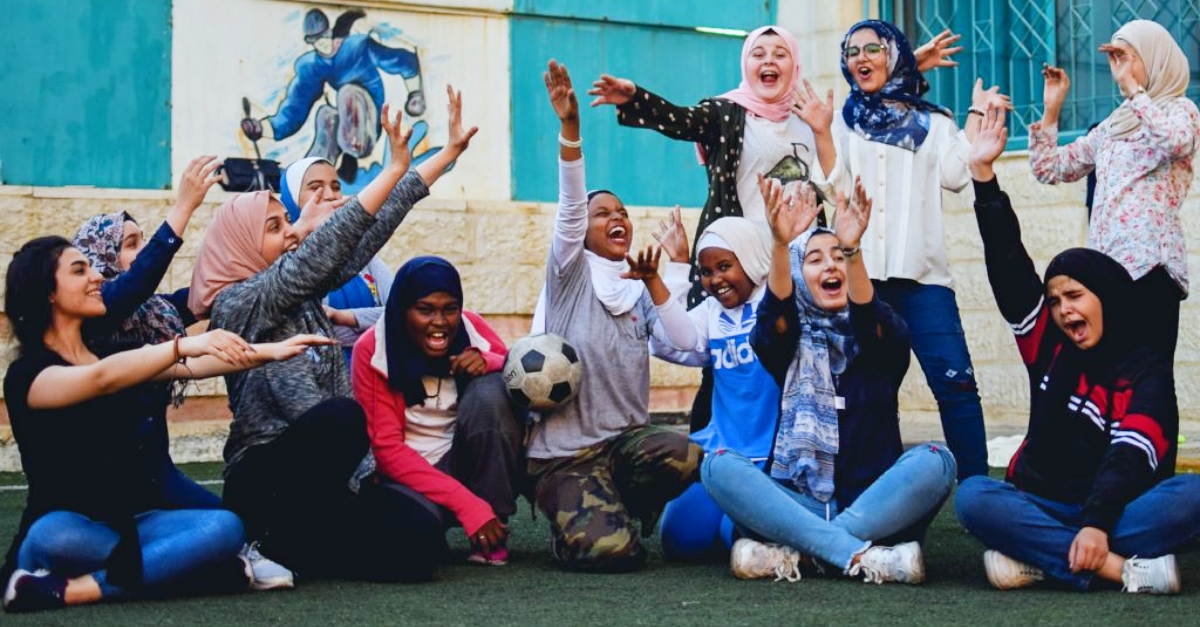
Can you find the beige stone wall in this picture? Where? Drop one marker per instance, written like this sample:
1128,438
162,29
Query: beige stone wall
501,247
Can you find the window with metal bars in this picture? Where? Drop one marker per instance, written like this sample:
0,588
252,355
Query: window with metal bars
1007,41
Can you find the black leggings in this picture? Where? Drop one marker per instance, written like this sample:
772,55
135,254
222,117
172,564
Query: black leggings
294,497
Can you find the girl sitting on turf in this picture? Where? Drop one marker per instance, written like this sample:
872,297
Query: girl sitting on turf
1091,495
98,523
838,485
734,255
357,304
427,376
908,150
134,316
596,462
297,435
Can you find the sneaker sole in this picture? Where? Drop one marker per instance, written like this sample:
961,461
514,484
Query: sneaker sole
916,573
10,589
991,564
276,583
1173,575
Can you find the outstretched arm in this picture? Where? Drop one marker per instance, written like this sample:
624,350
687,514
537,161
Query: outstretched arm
850,223
1015,283
640,108
570,223
64,386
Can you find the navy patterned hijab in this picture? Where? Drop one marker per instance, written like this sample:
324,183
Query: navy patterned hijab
896,115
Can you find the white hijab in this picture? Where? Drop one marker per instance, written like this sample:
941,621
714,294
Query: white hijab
747,240
616,294
1167,72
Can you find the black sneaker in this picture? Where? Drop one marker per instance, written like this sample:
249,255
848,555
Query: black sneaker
31,592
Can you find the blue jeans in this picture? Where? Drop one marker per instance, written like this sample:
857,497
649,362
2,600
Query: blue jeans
175,544
901,502
931,314
1038,531
694,527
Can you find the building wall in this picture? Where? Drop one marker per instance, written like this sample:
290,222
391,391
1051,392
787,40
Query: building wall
87,89
501,244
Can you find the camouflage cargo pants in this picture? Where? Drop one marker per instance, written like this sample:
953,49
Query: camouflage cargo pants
593,498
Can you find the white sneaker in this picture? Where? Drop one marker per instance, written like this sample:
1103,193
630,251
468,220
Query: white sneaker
1159,575
754,560
1006,573
901,563
266,574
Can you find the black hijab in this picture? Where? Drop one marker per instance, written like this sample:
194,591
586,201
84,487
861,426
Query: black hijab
407,363
1111,283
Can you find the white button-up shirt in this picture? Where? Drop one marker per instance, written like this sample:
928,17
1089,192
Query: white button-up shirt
905,236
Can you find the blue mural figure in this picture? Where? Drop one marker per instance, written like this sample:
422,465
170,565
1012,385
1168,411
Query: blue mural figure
346,129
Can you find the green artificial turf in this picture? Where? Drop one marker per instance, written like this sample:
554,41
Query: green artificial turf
531,591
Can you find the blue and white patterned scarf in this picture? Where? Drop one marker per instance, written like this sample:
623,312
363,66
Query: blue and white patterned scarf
807,441
896,115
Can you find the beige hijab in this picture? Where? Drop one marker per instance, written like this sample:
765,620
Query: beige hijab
231,251
1167,72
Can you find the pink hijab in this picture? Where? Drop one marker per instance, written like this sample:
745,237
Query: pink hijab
745,96
231,251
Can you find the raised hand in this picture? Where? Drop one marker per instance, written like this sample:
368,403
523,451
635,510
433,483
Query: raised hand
938,52
289,348
222,344
807,104
852,216
459,139
788,216
645,267
197,178
397,139
612,90
1054,94
983,98
672,236
989,142
561,92
1120,61
469,362
315,212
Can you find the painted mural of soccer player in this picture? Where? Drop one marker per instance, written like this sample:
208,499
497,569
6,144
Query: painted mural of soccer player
348,128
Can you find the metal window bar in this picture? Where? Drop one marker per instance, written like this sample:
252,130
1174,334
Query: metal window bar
1007,41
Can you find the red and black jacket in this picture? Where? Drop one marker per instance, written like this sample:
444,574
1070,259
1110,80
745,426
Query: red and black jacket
1103,422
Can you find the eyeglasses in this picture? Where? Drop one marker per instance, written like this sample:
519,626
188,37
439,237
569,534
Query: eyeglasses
871,50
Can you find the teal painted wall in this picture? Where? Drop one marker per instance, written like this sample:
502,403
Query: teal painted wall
740,14
87,89
682,65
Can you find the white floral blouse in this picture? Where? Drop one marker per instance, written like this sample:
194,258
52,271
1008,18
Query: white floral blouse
1142,181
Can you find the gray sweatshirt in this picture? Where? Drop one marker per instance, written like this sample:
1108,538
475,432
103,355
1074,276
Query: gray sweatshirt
614,394
285,300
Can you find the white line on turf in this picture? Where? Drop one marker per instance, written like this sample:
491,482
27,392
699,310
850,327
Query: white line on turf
18,488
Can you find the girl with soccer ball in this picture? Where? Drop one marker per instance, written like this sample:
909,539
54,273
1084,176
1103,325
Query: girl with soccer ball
597,464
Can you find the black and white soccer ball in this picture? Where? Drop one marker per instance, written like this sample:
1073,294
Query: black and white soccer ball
542,371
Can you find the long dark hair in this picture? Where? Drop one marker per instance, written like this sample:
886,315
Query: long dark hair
28,285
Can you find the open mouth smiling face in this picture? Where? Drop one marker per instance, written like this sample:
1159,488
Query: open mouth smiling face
610,232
